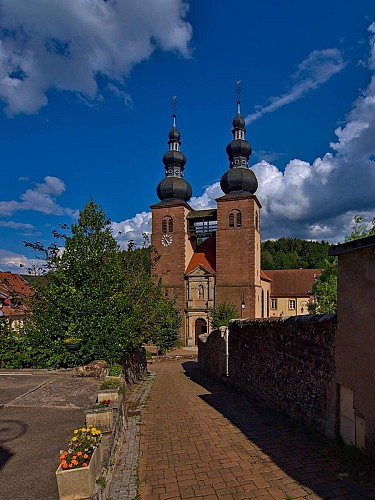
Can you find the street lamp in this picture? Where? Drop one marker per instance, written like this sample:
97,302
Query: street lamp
243,305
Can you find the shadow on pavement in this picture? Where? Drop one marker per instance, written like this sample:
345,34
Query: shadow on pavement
9,431
307,457
4,456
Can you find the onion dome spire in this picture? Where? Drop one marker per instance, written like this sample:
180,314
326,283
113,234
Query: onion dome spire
174,186
239,178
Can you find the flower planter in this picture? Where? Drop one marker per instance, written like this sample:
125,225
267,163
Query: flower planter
101,418
73,347
111,394
79,483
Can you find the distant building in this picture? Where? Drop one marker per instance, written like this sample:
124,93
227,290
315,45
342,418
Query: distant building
14,292
291,290
210,256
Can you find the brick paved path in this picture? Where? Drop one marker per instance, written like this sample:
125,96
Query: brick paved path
199,440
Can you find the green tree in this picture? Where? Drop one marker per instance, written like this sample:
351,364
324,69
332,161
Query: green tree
222,314
93,292
324,290
361,228
325,287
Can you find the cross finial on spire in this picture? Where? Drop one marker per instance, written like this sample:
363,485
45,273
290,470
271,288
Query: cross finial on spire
174,103
238,92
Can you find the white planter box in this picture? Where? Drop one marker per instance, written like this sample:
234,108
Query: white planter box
111,394
76,484
100,418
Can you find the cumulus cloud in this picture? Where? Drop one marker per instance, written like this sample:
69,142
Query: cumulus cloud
16,263
132,229
315,70
40,198
64,45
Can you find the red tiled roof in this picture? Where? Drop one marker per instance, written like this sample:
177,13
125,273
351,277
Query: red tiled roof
14,284
292,282
205,255
264,276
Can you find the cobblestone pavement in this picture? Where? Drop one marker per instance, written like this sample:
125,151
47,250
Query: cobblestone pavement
200,440
124,482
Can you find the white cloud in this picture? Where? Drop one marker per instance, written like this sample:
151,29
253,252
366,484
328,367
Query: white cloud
17,263
64,45
15,225
41,198
318,68
132,229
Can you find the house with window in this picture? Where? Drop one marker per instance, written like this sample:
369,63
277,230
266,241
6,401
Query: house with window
290,292
14,293
207,257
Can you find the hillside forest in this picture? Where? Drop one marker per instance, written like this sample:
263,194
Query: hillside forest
292,253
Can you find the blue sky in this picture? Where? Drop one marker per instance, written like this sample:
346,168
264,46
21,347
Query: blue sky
85,93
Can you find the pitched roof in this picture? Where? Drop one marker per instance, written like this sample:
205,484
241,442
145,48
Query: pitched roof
14,284
205,255
264,276
292,282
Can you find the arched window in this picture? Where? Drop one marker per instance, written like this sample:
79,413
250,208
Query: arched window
167,224
235,218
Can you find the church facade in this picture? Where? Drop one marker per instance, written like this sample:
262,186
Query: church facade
207,257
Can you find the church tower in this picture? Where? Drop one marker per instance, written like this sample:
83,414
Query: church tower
169,227
238,277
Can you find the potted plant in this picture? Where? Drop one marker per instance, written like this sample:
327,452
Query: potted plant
80,464
100,415
111,389
114,372
72,343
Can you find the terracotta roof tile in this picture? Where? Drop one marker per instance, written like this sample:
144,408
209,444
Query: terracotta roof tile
205,255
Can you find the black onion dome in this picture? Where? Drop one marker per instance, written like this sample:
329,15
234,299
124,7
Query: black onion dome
174,158
239,121
174,188
174,134
239,179
238,147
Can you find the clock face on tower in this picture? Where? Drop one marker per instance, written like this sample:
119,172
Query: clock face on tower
166,240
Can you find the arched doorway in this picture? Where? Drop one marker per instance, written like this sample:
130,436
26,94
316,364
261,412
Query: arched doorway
200,328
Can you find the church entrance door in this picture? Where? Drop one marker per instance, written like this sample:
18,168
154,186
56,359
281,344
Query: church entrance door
200,328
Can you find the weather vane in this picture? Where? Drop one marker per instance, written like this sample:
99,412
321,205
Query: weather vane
238,90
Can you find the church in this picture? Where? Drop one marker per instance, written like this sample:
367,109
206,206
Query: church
207,257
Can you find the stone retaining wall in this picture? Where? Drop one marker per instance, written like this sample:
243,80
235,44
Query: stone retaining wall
212,353
287,363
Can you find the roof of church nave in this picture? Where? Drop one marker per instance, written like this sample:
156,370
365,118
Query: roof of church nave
205,255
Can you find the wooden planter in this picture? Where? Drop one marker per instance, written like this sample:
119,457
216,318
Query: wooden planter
75,484
101,418
111,394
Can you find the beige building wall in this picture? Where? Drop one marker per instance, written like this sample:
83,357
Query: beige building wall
288,306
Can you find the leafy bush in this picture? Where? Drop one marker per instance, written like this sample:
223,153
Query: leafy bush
114,370
110,384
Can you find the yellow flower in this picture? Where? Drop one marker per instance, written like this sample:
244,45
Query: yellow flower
93,430
75,431
83,429
74,438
